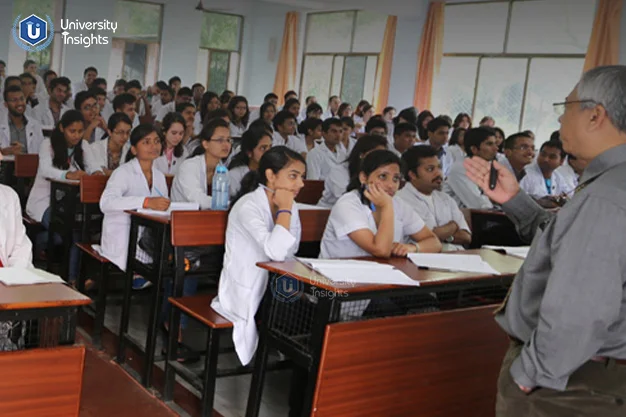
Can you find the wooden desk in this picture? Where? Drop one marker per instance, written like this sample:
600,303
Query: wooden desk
493,227
64,205
298,326
26,166
311,192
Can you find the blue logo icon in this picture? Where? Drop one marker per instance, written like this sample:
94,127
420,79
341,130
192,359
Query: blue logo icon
286,289
29,33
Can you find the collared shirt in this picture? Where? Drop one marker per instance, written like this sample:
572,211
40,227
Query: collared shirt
293,142
507,164
567,302
537,186
18,134
444,156
321,159
351,143
463,190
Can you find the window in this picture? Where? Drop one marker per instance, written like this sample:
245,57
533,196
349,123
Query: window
135,47
511,60
220,51
341,55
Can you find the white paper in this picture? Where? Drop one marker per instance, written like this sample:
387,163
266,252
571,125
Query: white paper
27,276
174,206
453,262
358,272
8,158
519,251
302,206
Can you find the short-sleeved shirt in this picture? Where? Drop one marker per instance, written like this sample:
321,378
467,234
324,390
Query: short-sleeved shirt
349,214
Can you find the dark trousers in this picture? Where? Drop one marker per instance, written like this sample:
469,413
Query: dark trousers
596,389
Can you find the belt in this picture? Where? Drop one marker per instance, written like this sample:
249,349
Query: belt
601,359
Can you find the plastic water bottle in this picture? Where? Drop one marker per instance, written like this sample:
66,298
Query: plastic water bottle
220,190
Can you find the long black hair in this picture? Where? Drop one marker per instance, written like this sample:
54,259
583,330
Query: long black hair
363,145
275,159
249,140
206,99
231,109
422,131
207,132
454,139
264,108
60,158
139,133
371,163
168,121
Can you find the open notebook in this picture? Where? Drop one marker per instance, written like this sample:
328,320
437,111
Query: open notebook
358,272
173,207
519,251
27,276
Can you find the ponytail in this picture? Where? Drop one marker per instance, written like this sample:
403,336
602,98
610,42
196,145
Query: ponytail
249,183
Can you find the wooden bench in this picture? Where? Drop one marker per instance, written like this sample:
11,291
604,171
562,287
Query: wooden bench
311,192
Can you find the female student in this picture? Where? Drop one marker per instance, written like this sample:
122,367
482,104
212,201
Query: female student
104,156
456,146
422,123
311,130
196,173
367,112
345,110
174,151
134,185
368,221
267,112
358,113
293,106
336,183
210,102
254,143
239,115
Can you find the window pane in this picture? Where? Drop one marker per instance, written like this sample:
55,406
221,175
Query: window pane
220,31
550,80
453,89
233,71
369,32
329,32
475,27
135,61
316,77
25,8
370,78
218,71
500,91
551,26
335,88
139,21
353,79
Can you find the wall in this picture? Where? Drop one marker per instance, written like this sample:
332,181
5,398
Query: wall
6,12
622,38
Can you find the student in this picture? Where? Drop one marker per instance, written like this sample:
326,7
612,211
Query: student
104,156
254,144
408,115
257,113
174,152
289,95
142,107
102,83
89,75
422,192
500,136
225,98
18,133
263,225
60,158
40,85
304,113
48,76
347,134
422,124
155,100
183,95
125,103
363,109
174,83
345,110
119,87
95,126
311,129
198,91
389,113
519,151
293,106
542,182
49,111
455,145
188,111
571,170
15,247
487,121
29,83
166,96
462,120
337,181
438,133
368,221
322,158
333,107
239,114
101,100
196,173
313,111
268,112
210,102
481,142
284,133
404,137
376,126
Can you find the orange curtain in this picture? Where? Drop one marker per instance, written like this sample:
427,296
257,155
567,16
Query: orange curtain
603,46
385,59
288,60
430,54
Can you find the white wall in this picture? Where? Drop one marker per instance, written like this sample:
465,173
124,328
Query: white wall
6,13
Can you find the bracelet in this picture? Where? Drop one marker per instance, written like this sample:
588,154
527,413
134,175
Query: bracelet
417,247
283,211
145,202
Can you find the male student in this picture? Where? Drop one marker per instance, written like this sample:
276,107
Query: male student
95,125
321,159
30,67
184,95
422,192
119,87
29,84
48,76
333,106
404,137
49,111
155,102
101,99
256,113
198,90
541,181
174,83
284,132
571,170
304,112
480,142
89,75
125,103
141,101
19,134
376,126
519,150
438,133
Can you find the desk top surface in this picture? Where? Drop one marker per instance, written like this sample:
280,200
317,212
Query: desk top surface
23,297
505,264
73,183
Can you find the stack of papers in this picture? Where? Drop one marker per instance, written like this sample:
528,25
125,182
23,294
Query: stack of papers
173,207
27,276
451,262
358,272
519,251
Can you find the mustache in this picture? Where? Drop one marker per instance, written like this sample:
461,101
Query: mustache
438,179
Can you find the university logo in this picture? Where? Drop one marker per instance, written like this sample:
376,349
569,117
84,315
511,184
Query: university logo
33,34
286,289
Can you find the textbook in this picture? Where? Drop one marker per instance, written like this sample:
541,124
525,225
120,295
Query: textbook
27,276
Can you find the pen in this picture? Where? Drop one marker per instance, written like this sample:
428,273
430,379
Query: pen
267,188
158,192
493,177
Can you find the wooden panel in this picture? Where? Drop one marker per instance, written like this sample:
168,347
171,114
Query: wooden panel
198,228
26,165
313,224
92,187
311,192
41,382
199,307
39,296
436,365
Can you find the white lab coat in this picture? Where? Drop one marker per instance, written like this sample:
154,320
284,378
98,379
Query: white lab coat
351,143
293,142
39,197
126,190
570,177
329,114
34,133
251,237
164,110
96,155
43,114
456,154
335,185
535,185
236,131
15,247
190,184
235,176
320,160
78,87
465,193
163,166
197,124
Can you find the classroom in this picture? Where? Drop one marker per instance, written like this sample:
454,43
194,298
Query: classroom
312,208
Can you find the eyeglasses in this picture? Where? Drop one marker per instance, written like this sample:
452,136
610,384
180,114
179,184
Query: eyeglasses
559,108
221,141
90,107
122,132
525,148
